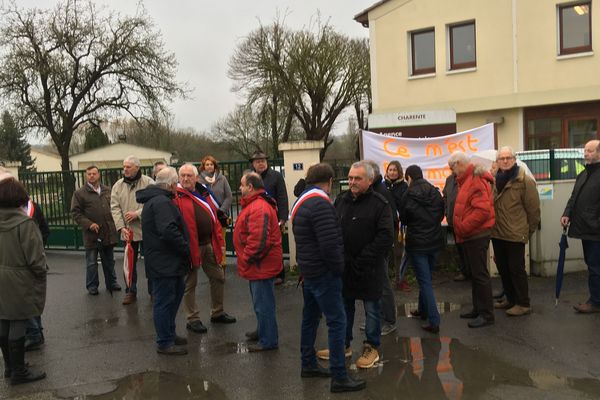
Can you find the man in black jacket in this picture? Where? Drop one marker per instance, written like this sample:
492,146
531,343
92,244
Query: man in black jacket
275,187
582,216
368,232
167,257
320,255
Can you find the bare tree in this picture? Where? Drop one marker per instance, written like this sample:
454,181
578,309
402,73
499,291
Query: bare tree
251,69
63,67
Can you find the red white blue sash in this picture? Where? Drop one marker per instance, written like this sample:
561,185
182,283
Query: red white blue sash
29,209
309,194
199,200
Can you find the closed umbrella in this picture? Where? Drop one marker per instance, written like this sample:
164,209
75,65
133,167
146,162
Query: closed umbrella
128,258
560,268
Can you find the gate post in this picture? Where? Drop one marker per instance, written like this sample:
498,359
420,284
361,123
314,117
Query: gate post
297,158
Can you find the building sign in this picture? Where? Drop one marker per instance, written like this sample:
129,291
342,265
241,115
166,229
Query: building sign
298,166
546,191
412,118
431,154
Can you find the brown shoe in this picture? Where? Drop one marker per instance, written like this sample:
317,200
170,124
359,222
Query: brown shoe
503,305
324,354
368,358
517,311
129,298
586,308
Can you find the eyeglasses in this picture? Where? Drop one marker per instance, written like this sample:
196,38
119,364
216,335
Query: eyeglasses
505,158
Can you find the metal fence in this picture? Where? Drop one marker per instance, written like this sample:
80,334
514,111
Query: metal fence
553,164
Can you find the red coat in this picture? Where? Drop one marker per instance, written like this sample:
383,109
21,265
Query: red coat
185,202
474,209
257,238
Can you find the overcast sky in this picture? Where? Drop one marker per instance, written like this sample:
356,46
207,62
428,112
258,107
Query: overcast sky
204,33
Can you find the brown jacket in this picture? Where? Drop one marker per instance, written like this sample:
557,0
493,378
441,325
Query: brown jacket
517,209
87,208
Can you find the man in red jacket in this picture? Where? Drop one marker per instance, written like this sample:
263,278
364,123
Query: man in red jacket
474,218
206,242
257,243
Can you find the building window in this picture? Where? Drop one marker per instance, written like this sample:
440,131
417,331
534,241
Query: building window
575,27
422,51
561,126
462,45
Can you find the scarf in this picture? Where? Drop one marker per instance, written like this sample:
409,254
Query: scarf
133,181
503,177
209,178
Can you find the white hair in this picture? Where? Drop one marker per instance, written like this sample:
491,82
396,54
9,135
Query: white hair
133,160
367,166
190,165
506,148
167,177
375,167
458,157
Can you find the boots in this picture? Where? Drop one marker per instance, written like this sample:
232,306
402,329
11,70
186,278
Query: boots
6,356
20,372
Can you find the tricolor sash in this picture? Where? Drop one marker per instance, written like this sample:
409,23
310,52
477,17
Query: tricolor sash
309,194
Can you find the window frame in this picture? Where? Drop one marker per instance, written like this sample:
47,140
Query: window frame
470,64
573,50
420,71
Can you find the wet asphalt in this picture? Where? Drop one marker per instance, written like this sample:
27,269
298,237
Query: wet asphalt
97,348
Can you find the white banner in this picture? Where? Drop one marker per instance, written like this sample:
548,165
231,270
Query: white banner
431,154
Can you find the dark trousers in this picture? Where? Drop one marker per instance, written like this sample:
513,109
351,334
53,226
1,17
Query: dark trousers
475,254
591,255
388,300
510,260
324,295
137,246
462,263
167,294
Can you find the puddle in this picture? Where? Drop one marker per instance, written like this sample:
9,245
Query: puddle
98,323
444,368
157,385
404,309
232,348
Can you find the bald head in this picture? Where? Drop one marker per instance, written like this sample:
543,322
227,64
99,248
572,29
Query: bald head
591,152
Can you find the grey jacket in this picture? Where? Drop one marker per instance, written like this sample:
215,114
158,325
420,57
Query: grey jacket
22,266
221,189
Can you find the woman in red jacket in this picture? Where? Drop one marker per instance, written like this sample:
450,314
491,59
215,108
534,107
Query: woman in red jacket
474,219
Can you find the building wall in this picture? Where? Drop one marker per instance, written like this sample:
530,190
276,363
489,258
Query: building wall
112,156
509,131
45,162
509,73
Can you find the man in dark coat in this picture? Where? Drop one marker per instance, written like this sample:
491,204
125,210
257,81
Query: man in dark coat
582,216
275,187
449,195
320,256
368,233
90,207
167,257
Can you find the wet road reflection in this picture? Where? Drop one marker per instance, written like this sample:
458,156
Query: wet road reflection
444,368
160,385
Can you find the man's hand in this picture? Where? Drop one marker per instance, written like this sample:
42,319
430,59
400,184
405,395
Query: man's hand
564,221
130,216
94,228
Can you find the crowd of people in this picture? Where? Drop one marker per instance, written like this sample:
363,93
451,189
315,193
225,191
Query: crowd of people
346,248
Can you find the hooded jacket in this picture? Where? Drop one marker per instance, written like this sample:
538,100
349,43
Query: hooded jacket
22,266
517,209
257,238
583,207
166,251
474,215
422,211
368,232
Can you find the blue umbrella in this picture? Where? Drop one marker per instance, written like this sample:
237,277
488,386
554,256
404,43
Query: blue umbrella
560,268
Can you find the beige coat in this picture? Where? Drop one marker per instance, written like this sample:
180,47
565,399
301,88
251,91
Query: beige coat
122,200
517,209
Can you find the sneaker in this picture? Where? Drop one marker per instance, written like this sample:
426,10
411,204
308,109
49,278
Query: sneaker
517,311
368,358
252,336
386,329
324,354
129,298
93,291
172,351
115,287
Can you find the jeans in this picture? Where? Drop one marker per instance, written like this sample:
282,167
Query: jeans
591,255
263,300
372,323
424,264
108,266
34,329
324,295
167,294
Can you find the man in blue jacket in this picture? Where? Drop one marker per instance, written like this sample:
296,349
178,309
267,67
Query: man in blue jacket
320,255
167,257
